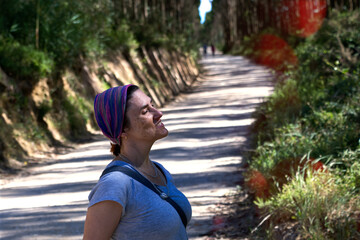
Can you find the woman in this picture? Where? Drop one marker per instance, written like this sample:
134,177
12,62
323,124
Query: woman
122,207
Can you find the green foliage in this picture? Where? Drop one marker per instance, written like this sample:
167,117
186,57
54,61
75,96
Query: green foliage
49,39
121,36
246,48
321,206
68,29
289,143
322,133
285,97
31,131
76,117
352,177
314,113
23,62
333,131
330,60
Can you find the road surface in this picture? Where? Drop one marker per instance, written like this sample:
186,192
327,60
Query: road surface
208,128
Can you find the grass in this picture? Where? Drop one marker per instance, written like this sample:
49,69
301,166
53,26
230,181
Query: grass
320,203
312,121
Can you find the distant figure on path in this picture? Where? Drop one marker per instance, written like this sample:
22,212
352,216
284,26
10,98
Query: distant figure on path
135,198
205,49
213,49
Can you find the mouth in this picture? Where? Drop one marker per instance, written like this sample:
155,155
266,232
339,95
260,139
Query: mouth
159,123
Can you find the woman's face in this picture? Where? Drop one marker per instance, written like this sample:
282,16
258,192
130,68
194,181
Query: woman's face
144,118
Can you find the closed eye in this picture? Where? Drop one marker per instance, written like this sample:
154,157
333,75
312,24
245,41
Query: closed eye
145,108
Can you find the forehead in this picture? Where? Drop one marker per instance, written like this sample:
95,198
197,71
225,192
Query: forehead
139,99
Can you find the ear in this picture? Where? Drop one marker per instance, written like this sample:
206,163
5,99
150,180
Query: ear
124,135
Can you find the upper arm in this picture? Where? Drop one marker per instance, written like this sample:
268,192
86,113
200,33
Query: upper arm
102,220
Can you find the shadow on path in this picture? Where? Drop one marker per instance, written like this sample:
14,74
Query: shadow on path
208,127
44,223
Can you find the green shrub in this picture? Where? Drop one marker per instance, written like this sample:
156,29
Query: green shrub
330,61
282,107
348,167
332,132
321,207
289,143
322,102
352,177
121,37
315,113
75,118
23,62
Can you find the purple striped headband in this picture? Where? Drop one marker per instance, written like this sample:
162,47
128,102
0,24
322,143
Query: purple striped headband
109,108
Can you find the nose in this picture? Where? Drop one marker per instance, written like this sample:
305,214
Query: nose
157,113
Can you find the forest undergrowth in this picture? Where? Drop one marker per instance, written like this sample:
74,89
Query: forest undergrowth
304,173
56,55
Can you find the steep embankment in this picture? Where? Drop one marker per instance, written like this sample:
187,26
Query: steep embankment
58,109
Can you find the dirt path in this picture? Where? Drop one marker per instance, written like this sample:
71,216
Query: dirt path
207,128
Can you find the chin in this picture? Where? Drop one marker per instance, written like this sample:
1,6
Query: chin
163,134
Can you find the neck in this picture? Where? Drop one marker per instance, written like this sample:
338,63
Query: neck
136,154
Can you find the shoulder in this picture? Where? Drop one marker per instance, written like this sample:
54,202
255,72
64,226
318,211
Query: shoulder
115,178
114,186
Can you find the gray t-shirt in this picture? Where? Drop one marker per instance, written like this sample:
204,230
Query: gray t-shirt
145,215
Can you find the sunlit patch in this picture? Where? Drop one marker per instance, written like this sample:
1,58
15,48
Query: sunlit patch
302,18
274,52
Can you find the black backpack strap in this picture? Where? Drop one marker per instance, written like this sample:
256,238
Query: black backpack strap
141,179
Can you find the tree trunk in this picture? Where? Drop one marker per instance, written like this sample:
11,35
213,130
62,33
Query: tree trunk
226,26
163,15
145,9
37,24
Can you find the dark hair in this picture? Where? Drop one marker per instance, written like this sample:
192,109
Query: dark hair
115,148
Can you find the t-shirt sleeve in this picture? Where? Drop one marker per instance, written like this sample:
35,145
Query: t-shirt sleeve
113,186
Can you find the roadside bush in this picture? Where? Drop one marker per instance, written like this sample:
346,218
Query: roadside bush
352,177
289,143
24,63
120,37
330,66
313,116
333,132
78,114
320,205
348,167
285,97
316,103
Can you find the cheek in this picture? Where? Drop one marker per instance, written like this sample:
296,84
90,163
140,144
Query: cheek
144,126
